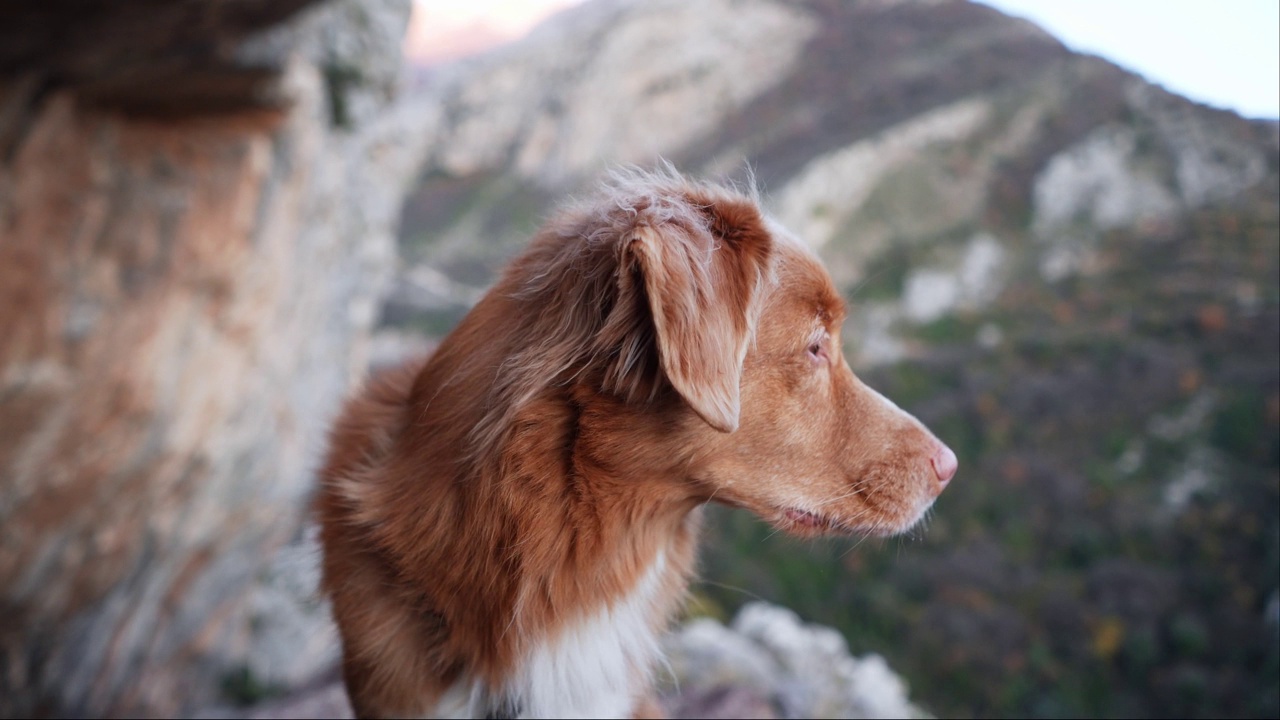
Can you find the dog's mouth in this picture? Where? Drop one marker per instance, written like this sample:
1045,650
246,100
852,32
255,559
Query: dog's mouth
805,522
868,521
804,518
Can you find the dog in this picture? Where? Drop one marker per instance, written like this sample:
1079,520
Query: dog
509,525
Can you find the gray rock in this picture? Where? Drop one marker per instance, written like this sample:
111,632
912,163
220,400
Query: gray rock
795,669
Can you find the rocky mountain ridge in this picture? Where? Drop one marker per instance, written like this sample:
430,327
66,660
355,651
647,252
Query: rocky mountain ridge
905,146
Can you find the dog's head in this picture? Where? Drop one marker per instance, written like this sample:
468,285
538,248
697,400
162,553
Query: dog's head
815,450
713,319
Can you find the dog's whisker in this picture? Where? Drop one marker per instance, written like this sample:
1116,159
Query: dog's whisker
734,588
773,532
857,490
854,292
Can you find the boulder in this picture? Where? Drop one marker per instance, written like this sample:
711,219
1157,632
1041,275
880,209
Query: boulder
197,205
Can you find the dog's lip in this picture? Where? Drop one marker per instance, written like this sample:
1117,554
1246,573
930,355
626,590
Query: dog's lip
807,522
804,521
807,518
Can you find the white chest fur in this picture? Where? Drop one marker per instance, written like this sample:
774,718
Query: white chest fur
598,665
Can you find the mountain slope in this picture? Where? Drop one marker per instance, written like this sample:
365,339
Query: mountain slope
1070,273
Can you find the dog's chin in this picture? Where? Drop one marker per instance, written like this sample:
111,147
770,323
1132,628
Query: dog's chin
808,524
803,523
859,521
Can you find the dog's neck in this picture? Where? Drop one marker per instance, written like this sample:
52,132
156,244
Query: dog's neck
551,530
604,556
606,510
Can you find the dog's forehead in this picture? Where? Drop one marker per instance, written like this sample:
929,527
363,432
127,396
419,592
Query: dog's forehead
801,277
784,238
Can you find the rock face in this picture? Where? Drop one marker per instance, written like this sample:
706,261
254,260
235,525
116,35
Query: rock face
563,112
197,205
769,664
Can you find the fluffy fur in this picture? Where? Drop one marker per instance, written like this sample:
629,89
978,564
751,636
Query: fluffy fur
509,525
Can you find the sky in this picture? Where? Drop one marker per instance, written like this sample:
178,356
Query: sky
1224,53
441,30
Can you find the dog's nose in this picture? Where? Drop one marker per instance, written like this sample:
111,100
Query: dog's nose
944,464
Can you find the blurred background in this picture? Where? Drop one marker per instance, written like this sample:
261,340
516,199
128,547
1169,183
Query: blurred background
1057,226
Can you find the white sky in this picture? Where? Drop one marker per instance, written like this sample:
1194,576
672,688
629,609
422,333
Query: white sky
447,29
1224,53
1221,52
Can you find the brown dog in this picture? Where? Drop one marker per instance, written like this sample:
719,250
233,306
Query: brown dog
509,526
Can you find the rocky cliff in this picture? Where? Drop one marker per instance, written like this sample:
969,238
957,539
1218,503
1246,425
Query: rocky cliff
1067,271
197,205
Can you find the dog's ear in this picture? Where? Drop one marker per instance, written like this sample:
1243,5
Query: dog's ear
703,283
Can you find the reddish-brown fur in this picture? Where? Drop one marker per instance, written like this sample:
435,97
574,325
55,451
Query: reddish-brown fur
659,347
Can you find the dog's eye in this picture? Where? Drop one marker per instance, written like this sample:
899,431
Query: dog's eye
818,351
